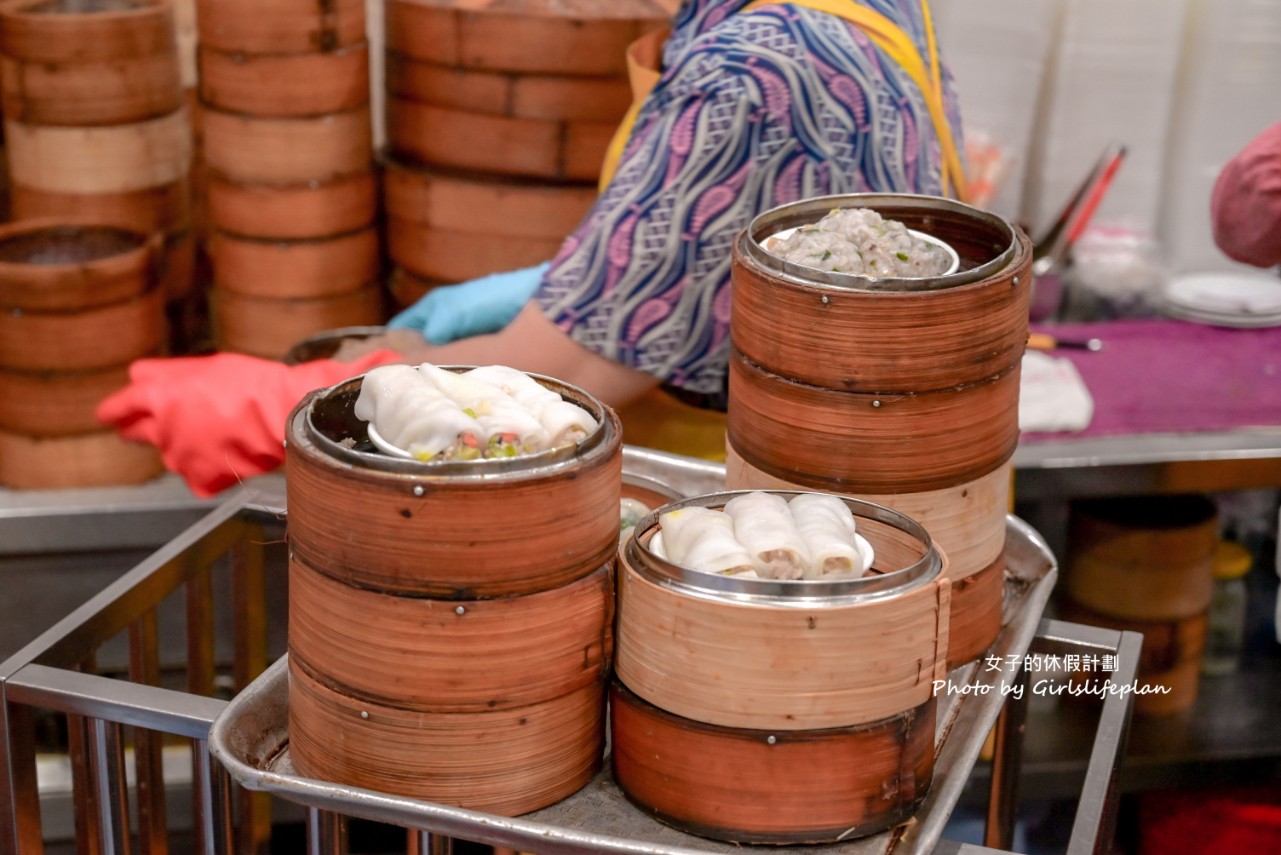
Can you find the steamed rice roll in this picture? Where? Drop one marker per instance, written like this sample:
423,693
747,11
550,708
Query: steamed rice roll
412,414
827,526
702,539
764,525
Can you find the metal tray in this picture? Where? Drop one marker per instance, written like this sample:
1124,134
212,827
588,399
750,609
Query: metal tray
251,737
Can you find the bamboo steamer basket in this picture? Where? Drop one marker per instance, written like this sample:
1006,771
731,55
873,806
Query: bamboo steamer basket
530,96
99,159
73,31
314,209
461,139
320,267
268,326
280,85
530,36
398,526
450,656
1149,558
763,786
258,150
49,265
105,335
163,207
915,402
750,676
100,459
279,26
457,255
105,92
482,204
1169,660
48,404
506,762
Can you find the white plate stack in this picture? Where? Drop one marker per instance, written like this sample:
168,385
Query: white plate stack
1226,299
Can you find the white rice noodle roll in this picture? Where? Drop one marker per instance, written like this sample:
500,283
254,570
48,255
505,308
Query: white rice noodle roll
656,545
702,539
498,413
827,526
764,525
866,550
563,420
566,422
411,413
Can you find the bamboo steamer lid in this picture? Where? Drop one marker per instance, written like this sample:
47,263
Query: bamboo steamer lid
865,442
533,36
966,521
483,204
457,255
764,786
162,207
100,459
258,150
291,84
885,335
279,26
100,159
1148,558
450,656
552,97
767,654
51,265
398,526
507,762
105,335
105,92
320,267
69,31
50,404
461,139
268,326
314,209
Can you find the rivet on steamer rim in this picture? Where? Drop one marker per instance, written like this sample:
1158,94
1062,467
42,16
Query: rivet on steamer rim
418,490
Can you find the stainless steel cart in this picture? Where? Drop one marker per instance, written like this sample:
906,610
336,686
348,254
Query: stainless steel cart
121,727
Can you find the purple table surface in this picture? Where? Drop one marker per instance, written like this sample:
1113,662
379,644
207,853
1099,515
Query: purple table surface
1169,376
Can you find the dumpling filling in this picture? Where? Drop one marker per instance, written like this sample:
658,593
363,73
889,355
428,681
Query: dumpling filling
862,242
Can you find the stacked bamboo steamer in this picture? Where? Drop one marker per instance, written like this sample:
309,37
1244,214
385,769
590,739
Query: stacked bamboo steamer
761,711
498,117
78,303
291,194
450,626
904,393
95,123
1145,564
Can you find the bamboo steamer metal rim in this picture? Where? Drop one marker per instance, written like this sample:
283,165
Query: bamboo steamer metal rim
806,594
324,420
920,212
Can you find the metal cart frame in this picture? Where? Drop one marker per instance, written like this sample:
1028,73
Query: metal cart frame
56,673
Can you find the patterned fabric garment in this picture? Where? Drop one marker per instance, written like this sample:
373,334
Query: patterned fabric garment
753,110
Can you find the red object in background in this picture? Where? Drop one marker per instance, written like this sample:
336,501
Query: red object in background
1243,820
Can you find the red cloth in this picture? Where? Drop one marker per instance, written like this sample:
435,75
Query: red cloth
1188,822
220,419
1245,208
1167,376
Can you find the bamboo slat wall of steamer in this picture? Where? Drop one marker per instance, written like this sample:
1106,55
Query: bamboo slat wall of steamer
498,116
291,193
95,124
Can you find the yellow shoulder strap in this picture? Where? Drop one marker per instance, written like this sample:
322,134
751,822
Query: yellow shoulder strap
645,54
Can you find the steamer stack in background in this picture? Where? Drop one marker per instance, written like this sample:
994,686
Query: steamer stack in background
95,125
287,138
498,117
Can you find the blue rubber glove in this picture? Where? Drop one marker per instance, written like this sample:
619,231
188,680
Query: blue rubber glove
483,305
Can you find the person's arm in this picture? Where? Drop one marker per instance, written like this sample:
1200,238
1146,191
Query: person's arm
532,343
1245,208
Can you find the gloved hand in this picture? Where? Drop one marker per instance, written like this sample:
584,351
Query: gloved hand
483,305
221,418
